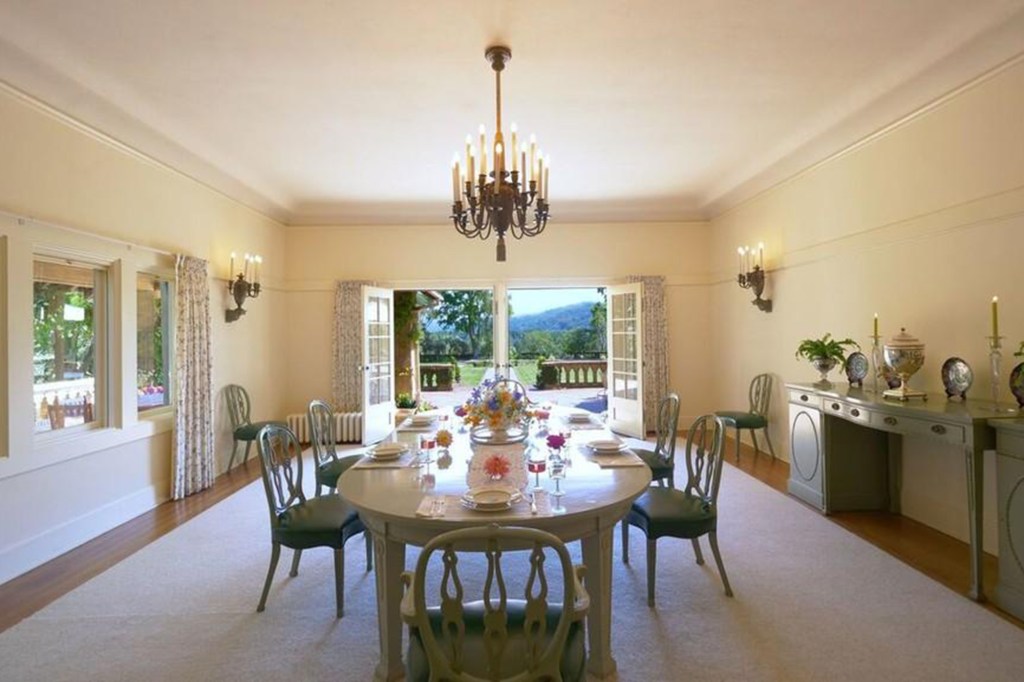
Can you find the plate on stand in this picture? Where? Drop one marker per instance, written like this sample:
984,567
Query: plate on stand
957,377
857,367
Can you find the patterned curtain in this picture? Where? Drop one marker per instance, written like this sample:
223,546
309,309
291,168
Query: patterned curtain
193,467
347,347
655,341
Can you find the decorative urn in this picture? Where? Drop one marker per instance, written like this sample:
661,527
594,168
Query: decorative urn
904,355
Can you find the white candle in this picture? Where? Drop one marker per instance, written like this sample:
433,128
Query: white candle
995,317
540,174
515,165
231,274
876,326
469,146
547,177
739,252
245,271
256,268
499,161
533,157
760,255
472,170
523,165
455,177
483,147
483,164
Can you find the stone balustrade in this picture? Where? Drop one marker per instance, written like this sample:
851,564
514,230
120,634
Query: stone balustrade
575,373
436,376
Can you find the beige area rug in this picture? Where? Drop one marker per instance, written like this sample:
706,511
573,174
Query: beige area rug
813,602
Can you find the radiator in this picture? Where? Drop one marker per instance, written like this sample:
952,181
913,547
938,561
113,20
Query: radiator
348,427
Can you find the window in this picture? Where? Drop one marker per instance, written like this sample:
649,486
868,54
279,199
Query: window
152,296
68,346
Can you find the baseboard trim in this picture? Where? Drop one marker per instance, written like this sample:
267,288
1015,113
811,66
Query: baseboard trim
51,543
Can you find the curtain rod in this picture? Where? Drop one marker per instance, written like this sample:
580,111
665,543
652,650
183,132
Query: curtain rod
22,220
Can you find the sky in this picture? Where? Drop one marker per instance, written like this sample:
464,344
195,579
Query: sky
528,301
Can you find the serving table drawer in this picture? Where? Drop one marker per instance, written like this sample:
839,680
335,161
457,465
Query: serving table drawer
911,426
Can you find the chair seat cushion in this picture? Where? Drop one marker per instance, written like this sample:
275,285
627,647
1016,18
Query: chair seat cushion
318,522
673,513
573,657
660,468
327,474
743,420
249,431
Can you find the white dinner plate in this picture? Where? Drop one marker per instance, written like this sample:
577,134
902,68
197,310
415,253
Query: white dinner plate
579,417
386,451
490,498
606,447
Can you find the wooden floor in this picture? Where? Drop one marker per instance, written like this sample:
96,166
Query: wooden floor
929,551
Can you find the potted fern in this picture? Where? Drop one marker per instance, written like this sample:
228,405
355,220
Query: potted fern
824,354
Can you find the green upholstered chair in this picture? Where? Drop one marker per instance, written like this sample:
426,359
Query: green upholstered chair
298,523
756,418
329,467
498,637
243,430
688,513
662,459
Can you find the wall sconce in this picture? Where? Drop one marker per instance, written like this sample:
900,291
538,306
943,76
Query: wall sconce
245,284
752,275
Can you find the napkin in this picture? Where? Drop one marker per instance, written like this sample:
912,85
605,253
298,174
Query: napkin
432,506
625,459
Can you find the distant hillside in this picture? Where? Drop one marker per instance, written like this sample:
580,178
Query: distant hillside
575,316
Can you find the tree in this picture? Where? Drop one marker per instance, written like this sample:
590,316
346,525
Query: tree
469,312
598,326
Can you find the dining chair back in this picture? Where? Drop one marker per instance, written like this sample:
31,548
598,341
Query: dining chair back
661,460
688,513
328,465
498,637
243,429
296,522
756,417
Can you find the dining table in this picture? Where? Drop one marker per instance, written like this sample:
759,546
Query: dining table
410,498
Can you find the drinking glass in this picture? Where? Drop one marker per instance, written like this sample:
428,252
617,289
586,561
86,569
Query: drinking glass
557,473
428,441
536,464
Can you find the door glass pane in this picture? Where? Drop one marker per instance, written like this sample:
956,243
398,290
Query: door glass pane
624,347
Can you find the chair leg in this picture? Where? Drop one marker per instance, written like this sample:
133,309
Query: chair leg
652,560
625,542
768,438
369,550
318,486
713,539
295,563
248,446
275,554
696,551
737,443
753,437
234,451
339,579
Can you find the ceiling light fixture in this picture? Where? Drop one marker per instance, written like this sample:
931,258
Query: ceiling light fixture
498,201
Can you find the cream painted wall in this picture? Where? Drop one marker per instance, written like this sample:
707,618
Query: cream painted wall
437,256
55,171
922,224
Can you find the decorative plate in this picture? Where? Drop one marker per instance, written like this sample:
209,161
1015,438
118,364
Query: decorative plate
857,367
1017,384
957,377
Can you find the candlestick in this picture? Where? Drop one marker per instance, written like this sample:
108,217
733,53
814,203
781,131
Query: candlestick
876,357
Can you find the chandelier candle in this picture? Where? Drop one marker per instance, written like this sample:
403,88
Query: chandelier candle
498,201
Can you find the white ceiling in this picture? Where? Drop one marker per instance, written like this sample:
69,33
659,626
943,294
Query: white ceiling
349,111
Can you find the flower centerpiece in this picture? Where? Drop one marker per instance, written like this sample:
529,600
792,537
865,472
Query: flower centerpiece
495,412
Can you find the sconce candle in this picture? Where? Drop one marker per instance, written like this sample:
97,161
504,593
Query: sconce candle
242,286
752,275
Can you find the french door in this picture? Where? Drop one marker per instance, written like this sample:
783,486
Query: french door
378,363
625,360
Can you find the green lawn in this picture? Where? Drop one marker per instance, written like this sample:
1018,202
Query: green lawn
525,369
471,375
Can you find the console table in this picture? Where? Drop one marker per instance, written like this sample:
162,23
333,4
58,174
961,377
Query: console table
1009,592
845,450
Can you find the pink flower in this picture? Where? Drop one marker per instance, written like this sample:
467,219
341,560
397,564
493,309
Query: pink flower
556,442
460,411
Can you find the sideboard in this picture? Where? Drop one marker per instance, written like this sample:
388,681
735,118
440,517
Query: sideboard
1009,592
846,446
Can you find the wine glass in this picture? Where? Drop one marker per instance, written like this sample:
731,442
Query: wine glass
557,473
536,464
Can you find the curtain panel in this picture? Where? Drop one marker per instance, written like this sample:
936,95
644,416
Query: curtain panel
655,346
347,347
194,468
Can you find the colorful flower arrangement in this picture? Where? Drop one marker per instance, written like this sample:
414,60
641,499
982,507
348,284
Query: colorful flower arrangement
497,466
494,404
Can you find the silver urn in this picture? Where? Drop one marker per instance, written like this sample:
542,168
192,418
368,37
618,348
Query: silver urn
904,355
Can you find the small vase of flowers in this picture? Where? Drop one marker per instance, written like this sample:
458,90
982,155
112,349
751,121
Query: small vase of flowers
824,354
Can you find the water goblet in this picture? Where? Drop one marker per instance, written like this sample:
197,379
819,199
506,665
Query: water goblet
557,473
536,464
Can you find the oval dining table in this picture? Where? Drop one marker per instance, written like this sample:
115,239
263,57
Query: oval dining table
390,498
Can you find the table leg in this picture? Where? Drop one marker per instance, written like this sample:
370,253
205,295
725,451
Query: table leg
975,480
389,560
597,557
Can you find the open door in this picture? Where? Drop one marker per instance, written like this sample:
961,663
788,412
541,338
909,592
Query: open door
625,361
378,365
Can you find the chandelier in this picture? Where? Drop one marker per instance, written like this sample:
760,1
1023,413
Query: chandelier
498,201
